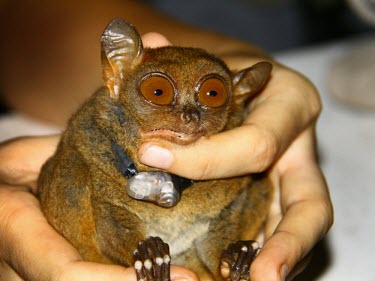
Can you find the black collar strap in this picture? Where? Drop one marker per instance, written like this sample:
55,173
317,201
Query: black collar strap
160,188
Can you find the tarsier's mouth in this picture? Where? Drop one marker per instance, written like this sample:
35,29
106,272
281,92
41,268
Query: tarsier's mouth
173,136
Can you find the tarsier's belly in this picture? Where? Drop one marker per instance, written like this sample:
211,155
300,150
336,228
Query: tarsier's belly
181,236
183,227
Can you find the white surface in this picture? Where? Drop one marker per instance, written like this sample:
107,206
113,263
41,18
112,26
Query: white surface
15,125
347,145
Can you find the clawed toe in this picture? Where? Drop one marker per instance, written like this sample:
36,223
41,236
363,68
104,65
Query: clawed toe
152,260
237,258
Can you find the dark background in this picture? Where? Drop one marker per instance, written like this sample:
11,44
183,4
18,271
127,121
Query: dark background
274,25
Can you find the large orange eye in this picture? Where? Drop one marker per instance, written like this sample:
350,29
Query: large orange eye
213,93
157,90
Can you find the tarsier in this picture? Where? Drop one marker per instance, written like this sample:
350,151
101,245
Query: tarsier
89,189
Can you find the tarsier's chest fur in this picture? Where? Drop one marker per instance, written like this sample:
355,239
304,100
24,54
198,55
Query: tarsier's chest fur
82,188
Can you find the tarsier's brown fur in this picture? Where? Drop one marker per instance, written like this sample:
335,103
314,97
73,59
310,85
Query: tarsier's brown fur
83,194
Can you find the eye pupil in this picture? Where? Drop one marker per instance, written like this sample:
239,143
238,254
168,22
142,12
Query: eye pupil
158,92
213,92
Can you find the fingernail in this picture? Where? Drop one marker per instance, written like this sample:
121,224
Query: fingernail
284,271
156,156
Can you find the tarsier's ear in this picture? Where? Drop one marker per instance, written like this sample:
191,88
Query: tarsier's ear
251,80
121,48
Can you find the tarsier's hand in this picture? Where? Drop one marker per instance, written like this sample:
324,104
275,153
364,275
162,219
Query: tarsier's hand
236,260
152,260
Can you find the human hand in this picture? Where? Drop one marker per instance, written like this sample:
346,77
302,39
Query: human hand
30,249
278,136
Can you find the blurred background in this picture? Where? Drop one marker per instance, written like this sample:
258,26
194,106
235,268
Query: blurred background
274,25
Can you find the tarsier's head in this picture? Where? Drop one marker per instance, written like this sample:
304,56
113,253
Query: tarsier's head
173,93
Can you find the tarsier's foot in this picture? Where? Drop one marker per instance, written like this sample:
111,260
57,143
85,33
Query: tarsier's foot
152,260
236,260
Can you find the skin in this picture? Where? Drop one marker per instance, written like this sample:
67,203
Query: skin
278,136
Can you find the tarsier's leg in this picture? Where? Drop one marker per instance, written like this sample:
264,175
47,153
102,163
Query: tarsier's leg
236,260
152,260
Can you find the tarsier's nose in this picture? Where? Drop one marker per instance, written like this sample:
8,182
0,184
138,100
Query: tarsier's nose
188,116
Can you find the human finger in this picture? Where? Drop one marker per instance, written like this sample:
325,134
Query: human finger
154,40
287,106
22,158
304,218
88,271
77,270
